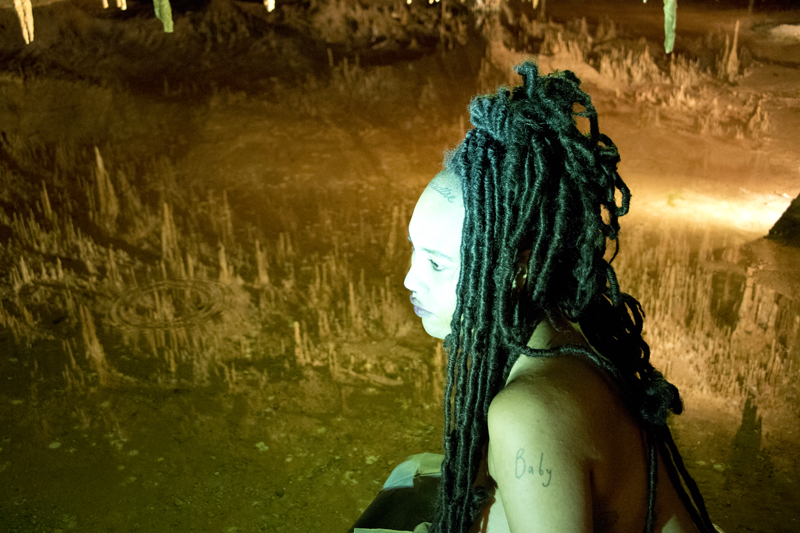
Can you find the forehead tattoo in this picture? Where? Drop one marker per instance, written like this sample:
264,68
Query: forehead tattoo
447,192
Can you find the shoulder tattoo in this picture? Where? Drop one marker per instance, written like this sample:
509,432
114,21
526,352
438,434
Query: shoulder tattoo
522,468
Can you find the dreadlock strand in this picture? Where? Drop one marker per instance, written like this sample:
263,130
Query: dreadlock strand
543,279
652,483
680,469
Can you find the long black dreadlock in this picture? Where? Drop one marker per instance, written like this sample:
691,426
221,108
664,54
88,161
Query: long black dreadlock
532,181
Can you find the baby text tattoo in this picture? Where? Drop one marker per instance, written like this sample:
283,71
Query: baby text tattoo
521,468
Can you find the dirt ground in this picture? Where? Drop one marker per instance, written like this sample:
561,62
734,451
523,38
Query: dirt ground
203,240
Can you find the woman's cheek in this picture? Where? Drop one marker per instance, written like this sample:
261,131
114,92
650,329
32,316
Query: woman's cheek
452,280
450,285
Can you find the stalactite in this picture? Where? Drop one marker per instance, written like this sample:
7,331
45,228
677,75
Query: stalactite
164,14
670,19
24,11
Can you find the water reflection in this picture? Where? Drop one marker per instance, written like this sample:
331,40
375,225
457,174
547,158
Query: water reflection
746,457
715,329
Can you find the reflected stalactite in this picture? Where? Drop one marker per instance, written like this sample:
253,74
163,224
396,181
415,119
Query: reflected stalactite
746,444
748,459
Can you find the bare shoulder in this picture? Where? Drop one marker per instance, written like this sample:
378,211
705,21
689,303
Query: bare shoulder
560,396
560,436
541,448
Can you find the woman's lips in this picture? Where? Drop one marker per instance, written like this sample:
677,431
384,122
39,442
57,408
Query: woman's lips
422,313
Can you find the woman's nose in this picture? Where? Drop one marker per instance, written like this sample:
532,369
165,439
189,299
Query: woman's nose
412,281
408,282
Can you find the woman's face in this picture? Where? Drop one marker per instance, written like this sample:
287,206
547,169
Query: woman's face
435,234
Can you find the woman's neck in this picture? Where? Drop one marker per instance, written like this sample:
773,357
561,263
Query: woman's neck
550,332
556,330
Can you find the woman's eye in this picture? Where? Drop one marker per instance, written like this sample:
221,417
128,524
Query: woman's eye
436,266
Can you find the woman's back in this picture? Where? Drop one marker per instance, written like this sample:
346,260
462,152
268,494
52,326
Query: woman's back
567,455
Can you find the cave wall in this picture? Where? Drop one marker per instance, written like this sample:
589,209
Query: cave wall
787,228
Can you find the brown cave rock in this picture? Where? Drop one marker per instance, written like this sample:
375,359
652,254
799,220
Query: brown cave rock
787,228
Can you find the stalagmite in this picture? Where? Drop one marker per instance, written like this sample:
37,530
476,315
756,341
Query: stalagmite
169,239
25,274
438,371
5,318
261,266
46,207
69,303
171,359
111,271
107,202
285,250
732,66
224,273
355,315
27,317
94,350
227,219
394,231
323,324
25,13
189,265
299,351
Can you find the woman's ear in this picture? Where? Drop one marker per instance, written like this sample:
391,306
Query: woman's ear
521,269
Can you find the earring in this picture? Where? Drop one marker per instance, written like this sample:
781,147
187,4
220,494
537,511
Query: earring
521,271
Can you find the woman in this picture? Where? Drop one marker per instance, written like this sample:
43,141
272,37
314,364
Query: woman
555,420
